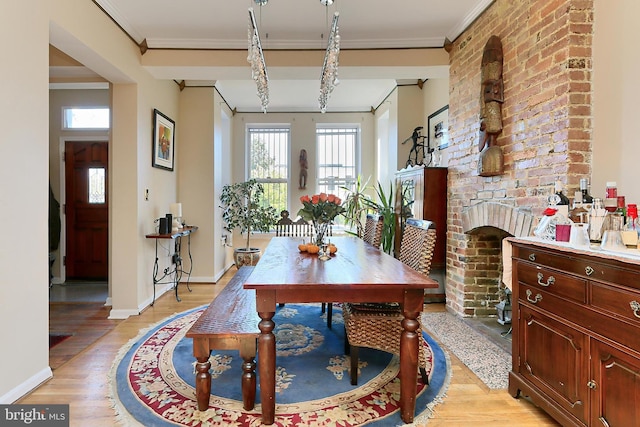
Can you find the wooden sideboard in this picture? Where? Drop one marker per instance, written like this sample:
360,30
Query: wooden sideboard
576,333
425,191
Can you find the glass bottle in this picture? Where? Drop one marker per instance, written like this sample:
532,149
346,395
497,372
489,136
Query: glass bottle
564,200
612,190
584,188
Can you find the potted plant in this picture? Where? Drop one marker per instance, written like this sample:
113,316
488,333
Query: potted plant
245,208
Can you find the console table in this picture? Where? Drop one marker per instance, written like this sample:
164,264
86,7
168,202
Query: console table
173,274
576,323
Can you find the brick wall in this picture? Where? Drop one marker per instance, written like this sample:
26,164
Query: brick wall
546,125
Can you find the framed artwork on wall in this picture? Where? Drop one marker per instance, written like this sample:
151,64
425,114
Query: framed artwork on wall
438,125
163,141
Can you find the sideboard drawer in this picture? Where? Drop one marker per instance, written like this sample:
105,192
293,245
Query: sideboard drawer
620,302
554,282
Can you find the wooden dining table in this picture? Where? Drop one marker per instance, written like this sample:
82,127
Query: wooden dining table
357,272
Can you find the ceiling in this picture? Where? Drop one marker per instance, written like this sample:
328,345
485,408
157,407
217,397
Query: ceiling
298,26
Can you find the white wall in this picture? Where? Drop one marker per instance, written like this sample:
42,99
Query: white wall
616,59
436,96
24,177
205,131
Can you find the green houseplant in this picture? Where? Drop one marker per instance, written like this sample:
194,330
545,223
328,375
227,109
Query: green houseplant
245,208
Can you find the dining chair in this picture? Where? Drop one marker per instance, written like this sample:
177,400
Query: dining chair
288,227
379,325
373,230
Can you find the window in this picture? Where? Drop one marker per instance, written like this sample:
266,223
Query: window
268,162
85,118
97,186
338,158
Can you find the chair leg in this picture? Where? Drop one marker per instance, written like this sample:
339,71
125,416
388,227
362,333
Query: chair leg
347,347
353,350
323,307
423,374
281,304
329,314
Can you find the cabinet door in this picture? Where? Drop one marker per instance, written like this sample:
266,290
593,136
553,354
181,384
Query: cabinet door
554,358
616,387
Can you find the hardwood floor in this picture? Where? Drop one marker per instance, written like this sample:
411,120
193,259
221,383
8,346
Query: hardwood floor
81,373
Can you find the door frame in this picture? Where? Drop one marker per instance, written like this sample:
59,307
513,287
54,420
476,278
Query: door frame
63,200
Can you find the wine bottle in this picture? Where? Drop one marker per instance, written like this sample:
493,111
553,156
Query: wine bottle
584,188
563,199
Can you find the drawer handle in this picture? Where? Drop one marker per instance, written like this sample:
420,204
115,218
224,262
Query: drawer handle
550,281
535,300
532,257
635,306
592,385
588,270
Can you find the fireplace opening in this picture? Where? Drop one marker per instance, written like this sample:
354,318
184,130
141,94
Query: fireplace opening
475,265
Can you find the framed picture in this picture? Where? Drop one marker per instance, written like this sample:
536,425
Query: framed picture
438,124
163,141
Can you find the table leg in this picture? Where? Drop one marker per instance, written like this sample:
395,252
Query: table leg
203,383
408,366
267,366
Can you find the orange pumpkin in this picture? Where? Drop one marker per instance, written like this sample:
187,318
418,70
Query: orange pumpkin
333,248
312,249
302,247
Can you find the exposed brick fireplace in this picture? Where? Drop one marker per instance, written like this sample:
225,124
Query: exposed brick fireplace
546,135
475,277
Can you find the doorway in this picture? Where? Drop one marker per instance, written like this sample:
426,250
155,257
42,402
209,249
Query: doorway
86,210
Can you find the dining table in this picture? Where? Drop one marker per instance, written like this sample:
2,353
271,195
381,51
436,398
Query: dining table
357,272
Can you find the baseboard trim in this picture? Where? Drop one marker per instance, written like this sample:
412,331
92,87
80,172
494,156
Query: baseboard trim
27,387
122,314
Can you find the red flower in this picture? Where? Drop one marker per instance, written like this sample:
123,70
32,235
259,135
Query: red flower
323,197
331,198
315,199
305,199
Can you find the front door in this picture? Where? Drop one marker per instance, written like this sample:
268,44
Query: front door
86,210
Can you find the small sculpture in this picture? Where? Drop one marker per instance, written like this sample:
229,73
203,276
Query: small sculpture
304,165
491,98
414,154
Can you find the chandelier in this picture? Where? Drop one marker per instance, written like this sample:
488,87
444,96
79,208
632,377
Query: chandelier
256,59
329,77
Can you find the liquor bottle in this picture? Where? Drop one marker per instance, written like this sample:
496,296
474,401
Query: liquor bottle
563,200
584,188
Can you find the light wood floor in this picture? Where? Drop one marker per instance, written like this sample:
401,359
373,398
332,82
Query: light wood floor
81,366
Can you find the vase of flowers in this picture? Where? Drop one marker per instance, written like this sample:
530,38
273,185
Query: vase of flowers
321,209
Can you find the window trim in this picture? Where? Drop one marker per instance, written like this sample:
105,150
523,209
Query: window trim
357,148
66,108
247,157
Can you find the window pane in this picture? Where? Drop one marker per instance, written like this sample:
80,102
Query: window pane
97,185
336,159
85,118
269,164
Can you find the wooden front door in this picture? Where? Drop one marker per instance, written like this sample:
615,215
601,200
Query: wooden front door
86,210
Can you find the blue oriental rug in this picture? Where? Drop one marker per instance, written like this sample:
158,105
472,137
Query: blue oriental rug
153,378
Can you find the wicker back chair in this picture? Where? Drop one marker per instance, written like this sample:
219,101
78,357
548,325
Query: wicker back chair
373,230
377,325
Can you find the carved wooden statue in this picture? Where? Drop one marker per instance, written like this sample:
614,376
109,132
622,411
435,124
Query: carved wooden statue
304,165
491,98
